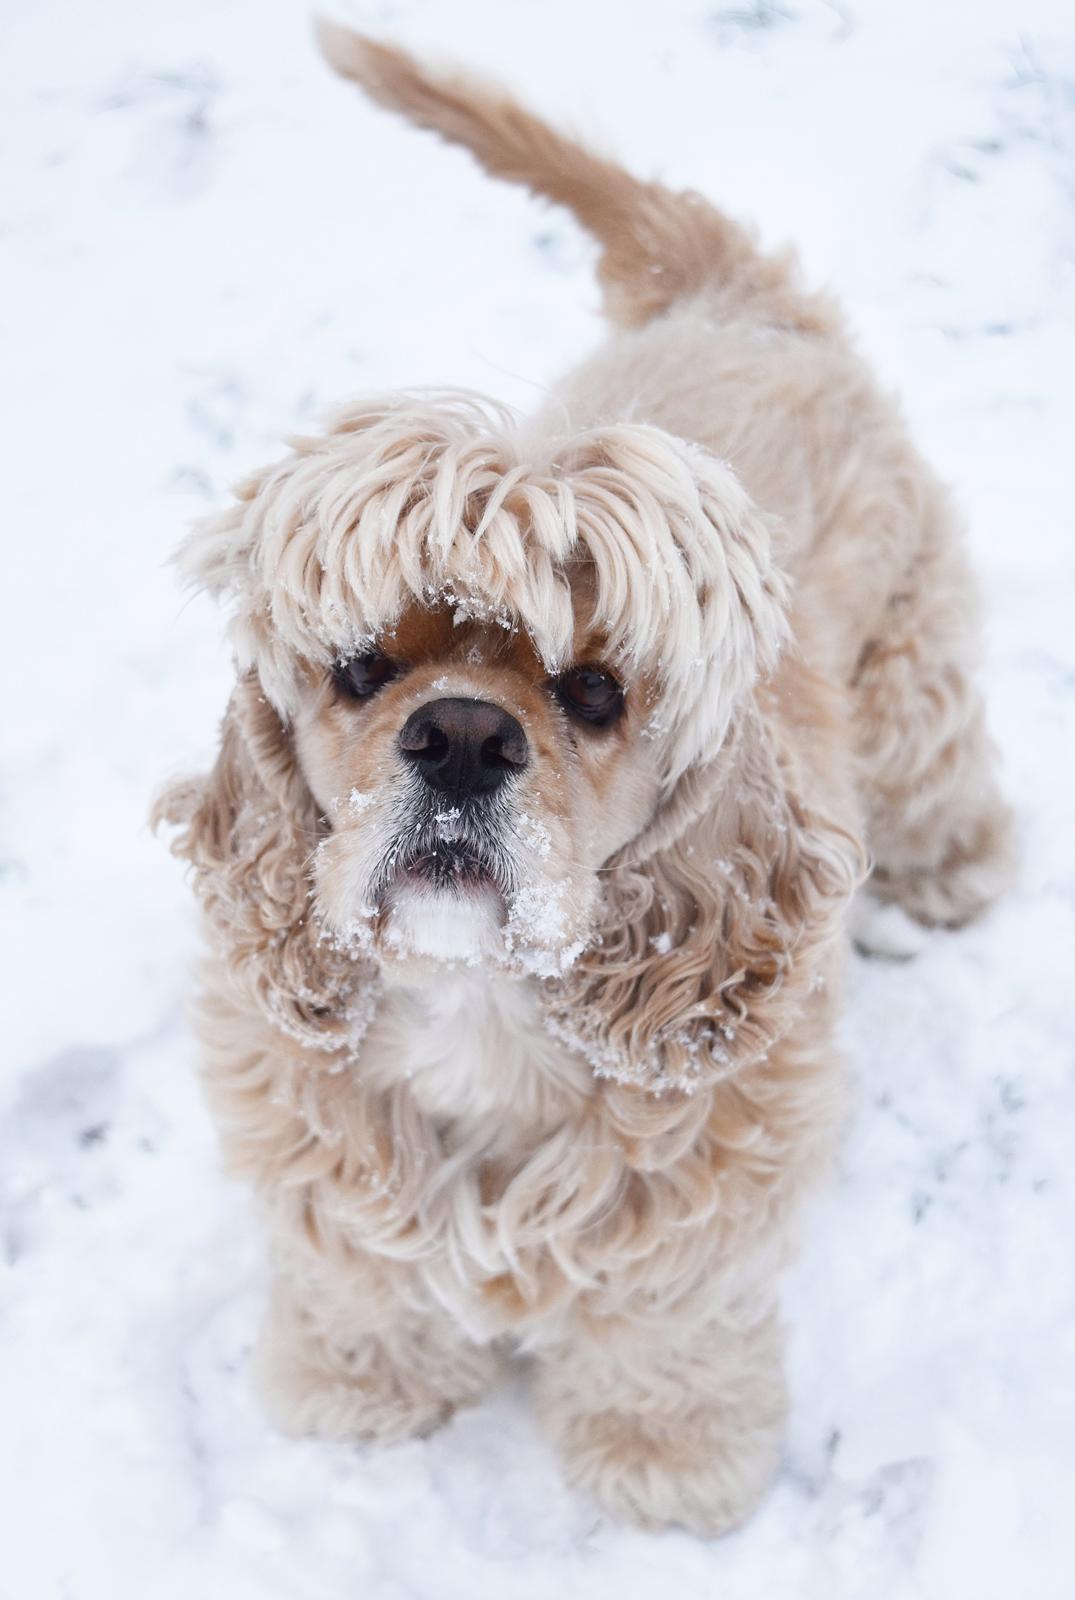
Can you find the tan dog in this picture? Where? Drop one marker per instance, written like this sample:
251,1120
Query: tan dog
537,814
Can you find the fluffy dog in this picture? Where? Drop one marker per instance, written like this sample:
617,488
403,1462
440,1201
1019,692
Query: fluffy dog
536,818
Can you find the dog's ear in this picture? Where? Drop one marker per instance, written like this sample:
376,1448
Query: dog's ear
714,933
249,829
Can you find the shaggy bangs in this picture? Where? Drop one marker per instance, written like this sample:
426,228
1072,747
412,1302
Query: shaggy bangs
435,499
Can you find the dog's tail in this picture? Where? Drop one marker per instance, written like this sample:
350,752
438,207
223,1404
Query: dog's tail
659,246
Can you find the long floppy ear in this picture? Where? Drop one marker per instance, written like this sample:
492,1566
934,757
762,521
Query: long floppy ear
716,930
249,829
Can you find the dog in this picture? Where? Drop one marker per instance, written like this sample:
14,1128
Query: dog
555,753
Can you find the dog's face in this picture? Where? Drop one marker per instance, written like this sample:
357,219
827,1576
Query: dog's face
496,660
472,796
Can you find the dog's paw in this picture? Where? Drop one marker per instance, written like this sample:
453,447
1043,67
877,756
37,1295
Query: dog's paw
360,1394
975,868
953,894
706,1473
311,1404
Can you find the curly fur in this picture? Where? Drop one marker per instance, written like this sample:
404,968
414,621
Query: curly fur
593,1143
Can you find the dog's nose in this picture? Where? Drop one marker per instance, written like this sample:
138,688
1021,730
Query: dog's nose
464,747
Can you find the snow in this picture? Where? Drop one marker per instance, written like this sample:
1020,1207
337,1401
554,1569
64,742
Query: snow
536,930
535,836
206,242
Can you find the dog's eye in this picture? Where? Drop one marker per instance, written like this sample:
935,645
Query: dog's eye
362,676
590,694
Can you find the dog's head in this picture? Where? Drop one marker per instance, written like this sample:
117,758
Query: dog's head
483,684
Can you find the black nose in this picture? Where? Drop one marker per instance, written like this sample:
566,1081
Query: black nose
463,747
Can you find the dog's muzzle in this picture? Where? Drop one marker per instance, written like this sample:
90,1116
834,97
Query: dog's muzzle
456,829
463,749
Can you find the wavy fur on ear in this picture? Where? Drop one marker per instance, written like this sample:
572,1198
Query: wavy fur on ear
712,941
249,829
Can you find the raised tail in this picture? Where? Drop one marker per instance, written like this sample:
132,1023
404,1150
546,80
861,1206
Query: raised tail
659,246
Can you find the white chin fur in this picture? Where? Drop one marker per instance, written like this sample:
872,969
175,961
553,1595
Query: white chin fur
444,926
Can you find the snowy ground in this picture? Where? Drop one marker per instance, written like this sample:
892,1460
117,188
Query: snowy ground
205,240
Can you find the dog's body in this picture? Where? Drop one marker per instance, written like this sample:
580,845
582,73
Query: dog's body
534,827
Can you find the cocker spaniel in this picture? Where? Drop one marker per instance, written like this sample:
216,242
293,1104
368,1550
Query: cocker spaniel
527,854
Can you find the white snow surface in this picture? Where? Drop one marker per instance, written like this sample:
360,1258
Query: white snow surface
206,240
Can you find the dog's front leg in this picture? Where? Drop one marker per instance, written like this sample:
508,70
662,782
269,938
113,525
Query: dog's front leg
345,1353
669,1419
